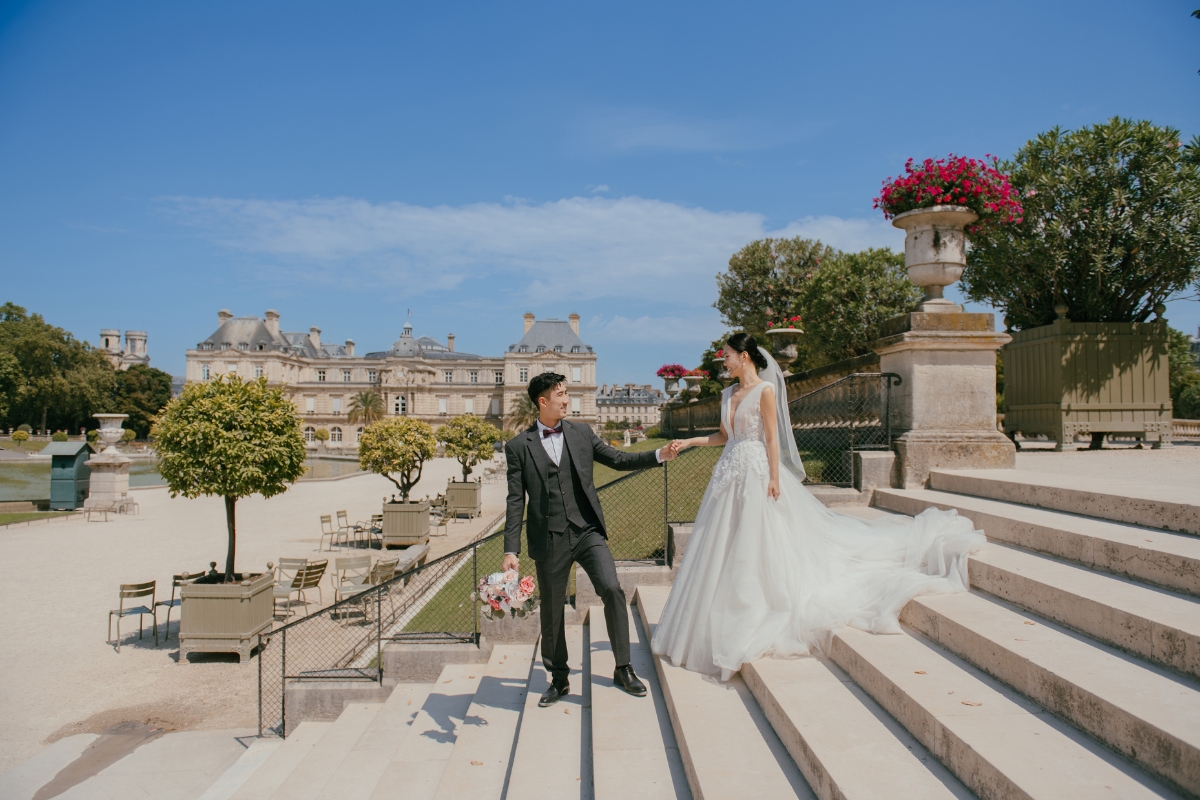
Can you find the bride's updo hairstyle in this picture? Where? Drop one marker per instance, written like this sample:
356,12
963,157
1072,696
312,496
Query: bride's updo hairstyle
744,343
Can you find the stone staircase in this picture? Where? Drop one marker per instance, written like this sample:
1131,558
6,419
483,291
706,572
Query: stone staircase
1071,670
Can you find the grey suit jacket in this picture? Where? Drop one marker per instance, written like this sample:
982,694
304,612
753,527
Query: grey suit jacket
527,465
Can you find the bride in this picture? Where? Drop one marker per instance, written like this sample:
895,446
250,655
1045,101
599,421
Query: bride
769,571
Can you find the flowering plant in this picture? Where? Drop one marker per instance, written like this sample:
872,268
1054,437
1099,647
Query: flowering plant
671,371
696,373
503,592
786,322
957,181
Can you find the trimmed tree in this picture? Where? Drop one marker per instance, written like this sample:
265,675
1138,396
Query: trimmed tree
1111,226
469,440
20,437
230,438
397,446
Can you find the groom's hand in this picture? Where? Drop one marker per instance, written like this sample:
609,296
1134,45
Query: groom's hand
510,562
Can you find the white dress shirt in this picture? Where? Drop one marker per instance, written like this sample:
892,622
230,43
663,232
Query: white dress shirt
554,445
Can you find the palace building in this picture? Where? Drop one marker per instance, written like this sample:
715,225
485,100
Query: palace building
134,351
631,403
418,376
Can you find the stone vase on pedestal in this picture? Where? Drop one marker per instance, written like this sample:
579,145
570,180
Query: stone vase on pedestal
935,251
693,386
109,469
783,346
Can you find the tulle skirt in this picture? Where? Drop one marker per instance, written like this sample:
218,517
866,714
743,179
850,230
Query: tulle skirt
778,578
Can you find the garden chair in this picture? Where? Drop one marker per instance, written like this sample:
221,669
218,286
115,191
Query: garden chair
371,529
127,505
103,508
177,581
327,530
351,576
383,571
308,577
285,578
345,530
132,591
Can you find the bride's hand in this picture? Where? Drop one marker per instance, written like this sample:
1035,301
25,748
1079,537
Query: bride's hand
773,489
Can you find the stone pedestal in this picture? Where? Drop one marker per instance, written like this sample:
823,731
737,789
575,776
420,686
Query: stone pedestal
945,405
109,479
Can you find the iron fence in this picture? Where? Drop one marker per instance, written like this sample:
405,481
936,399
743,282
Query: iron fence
431,603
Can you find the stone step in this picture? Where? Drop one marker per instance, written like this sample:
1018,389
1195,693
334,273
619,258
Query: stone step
1147,714
728,748
359,772
307,779
416,767
482,755
240,771
1170,560
634,753
23,781
998,743
1171,508
279,765
1160,626
549,759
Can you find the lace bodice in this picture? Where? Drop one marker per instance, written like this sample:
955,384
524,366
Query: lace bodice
746,452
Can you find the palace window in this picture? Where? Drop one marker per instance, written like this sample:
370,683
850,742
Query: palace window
224,345
576,374
261,347
337,405
442,405
558,348
575,348
495,412
310,404
243,346
335,434
524,374
499,376
541,348
523,348
320,376
310,433
258,370
449,376
469,405
371,374
358,435
575,407
204,372
400,406
474,376
345,376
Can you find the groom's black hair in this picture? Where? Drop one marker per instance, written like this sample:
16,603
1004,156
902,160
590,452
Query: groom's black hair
544,383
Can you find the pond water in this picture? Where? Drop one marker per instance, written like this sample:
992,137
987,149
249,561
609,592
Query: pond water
31,481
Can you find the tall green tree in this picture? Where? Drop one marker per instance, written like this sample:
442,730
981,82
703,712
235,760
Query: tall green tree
765,280
469,440
230,438
1185,378
365,407
1111,226
141,392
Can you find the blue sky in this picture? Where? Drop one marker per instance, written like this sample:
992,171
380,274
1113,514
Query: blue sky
346,162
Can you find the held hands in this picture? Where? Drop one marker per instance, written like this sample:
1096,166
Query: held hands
510,562
773,489
675,448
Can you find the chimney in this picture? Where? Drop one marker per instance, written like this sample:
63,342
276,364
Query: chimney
450,341
574,323
272,322
314,336
528,321
223,316
350,347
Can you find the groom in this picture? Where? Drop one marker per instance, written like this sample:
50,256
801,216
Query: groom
552,464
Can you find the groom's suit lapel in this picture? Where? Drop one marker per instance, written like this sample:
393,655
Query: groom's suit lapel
537,451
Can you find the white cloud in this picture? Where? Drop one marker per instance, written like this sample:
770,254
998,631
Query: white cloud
685,329
574,248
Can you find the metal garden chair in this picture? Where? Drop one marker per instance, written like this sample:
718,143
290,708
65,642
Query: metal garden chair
132,591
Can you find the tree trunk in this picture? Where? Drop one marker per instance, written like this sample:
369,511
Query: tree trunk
232,526
44,418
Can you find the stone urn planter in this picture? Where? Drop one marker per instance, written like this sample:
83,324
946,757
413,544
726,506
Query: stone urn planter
464,498
225,617
405,524
935,251
109,482
783,345
693,386
1071,378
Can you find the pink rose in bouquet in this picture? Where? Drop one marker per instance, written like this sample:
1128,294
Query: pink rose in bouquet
505,592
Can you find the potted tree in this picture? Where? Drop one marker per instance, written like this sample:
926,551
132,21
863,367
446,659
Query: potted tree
397,448
1110,232
230,438
470,441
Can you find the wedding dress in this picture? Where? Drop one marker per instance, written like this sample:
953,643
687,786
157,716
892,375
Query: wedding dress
765,577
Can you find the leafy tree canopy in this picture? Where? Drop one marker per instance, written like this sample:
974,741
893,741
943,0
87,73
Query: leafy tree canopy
141,392
764,281
397,446
469,440
1111,226
230,438
1185,378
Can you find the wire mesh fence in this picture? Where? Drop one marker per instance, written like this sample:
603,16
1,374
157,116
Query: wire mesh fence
833,422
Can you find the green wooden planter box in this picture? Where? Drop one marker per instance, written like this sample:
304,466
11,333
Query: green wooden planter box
405,524
464,498
1073,378
225,617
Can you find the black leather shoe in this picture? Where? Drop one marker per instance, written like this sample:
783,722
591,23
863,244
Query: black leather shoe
552,695
627,681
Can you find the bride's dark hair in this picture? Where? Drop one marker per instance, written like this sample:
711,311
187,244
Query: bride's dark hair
744,343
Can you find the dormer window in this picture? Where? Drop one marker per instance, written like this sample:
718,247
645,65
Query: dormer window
541,348
524,348
558,348
224,345
243,346
575,348
261,347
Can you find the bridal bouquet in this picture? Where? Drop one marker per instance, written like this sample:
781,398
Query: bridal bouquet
503,592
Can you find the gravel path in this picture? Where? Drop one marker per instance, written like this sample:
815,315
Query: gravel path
59,677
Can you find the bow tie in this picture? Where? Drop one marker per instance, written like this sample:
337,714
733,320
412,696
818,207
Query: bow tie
548,432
